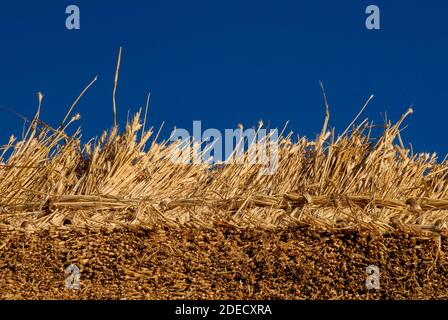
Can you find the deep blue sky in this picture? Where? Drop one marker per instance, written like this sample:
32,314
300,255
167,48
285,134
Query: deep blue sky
226,62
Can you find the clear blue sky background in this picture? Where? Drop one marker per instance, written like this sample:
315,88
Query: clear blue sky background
226,62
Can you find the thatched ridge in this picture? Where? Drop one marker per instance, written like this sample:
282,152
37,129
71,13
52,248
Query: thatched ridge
48,178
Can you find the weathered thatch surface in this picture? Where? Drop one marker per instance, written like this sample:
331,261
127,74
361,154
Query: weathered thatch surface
298,262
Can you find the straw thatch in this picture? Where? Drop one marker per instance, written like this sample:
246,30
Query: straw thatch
298,262
48,178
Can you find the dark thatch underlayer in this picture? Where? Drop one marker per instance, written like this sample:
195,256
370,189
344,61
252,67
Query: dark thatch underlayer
300,262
